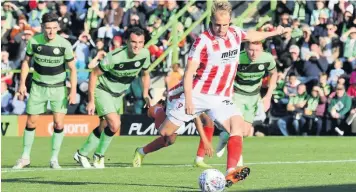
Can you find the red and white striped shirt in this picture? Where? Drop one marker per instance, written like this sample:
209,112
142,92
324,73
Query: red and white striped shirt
218,58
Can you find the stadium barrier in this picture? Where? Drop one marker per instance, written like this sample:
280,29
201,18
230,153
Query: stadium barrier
82,125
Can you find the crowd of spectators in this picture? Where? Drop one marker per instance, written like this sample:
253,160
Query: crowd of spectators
316,60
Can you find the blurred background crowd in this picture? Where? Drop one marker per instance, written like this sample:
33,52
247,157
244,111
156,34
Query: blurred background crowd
316,61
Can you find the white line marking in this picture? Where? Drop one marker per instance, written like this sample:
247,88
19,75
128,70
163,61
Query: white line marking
9,170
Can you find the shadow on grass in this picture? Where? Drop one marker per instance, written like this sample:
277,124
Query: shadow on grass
326,188
39,180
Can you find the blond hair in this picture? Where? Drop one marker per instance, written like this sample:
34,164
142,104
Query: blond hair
221,5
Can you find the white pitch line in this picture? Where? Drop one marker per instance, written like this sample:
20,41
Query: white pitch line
9,170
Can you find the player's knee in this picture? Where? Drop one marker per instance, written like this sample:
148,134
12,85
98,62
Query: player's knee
31,122
171,141
114,125
58,125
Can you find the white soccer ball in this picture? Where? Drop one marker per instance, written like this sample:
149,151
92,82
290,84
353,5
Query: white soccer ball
212,180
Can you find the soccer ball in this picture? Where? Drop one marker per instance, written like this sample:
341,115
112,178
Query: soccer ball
212,180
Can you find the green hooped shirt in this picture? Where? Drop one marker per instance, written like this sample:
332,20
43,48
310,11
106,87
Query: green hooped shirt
120,70
249,73
49,59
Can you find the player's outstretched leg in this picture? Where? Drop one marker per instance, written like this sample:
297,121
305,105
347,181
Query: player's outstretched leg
57,139
155,145
158,113
114,123
28,138
81,155
220,148
234,151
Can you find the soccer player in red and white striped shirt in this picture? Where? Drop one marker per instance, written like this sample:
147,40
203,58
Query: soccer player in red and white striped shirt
213,59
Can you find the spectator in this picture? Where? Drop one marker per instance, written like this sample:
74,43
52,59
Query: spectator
134,16
325,87
19,104
116,43
6,99
278,93
6,64
301,10
314,111
315,64
290,89
282,45
334,39
5,34
65,21
296,31
305,42
351,91
81,47
335,73
93,19
35,16
99,46
351,120
347,21
297,64
112,21
349,38
320,9
339,106
11,13
285,20
320,29
295,108
20,43
21,26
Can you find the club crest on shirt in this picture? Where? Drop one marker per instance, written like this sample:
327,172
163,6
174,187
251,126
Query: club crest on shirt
121,66
39,48
261,67
137,64
56,51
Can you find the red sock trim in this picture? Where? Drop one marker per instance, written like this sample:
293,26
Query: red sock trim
209,131
234,150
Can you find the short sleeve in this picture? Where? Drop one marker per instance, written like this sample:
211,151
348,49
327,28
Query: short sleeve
147,63
272,63
29,51
68,53
106,64
196,50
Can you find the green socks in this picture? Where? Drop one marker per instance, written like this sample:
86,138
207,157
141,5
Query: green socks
57,139
91,143
28,137
105,140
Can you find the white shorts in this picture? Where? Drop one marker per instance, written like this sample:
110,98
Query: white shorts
218,108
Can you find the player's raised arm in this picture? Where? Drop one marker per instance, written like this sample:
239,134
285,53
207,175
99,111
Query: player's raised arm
253,35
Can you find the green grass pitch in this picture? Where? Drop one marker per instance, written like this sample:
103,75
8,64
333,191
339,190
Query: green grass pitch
277,164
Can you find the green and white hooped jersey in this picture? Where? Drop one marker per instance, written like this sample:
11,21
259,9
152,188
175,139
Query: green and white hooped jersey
49,59
120,70
249,73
